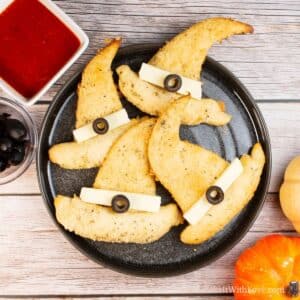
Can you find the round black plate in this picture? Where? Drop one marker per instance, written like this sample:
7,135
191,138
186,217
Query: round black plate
168,256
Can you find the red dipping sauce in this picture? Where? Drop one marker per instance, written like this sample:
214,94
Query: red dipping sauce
34,46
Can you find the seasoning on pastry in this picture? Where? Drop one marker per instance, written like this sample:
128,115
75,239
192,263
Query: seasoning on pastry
183,55
125,171
214,194
97,97
171,82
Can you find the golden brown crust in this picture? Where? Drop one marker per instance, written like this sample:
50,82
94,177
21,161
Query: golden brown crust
126,167
186,52
97,93
97,97
100,223
185,169
183,55
145,96
236,198
87,154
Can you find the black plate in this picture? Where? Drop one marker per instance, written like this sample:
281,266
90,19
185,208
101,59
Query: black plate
168,256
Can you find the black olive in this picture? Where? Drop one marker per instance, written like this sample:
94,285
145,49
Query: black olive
4,116
214,195
5,155
3,164
293,289
16,157
120,203
6,144
100,126
173,83
16,129
2,128
20,146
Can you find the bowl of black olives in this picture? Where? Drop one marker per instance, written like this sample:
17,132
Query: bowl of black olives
18,140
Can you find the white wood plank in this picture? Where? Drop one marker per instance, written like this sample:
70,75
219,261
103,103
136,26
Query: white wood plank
36,259
284,127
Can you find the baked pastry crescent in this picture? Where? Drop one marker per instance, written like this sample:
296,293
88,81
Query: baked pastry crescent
183,55
97,92
236,198
97,97
125,169
187,170
100,223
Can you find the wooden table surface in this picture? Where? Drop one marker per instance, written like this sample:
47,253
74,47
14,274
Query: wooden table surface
36,260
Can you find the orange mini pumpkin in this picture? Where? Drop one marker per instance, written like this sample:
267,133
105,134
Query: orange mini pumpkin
269,270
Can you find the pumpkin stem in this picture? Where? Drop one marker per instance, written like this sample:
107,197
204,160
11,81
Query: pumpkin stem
292,290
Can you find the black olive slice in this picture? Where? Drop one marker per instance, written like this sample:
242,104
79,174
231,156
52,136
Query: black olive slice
214,195
173,83
2,128
4,116
120,203
6,144
16,157
3,164
293,290
16,129
100,126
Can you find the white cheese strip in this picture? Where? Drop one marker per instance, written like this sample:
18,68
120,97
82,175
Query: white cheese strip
157,76
140,202
114,120
202,206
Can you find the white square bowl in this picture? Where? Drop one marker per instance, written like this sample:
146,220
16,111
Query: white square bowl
80,34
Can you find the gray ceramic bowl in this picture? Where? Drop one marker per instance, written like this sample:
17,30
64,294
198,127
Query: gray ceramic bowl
168,256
